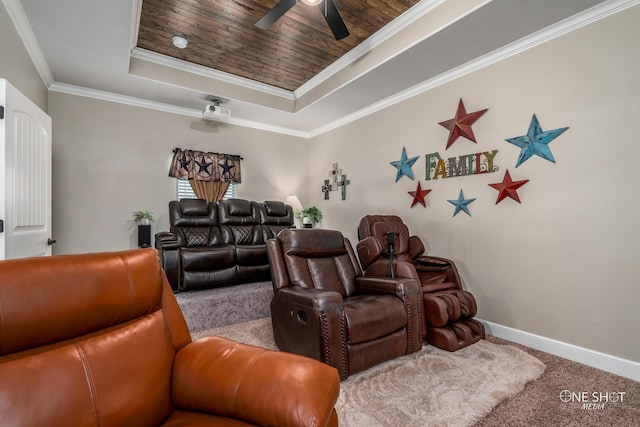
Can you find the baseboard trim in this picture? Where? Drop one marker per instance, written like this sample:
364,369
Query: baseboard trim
606,362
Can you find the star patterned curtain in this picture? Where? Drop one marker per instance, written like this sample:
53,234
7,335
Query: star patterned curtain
202,166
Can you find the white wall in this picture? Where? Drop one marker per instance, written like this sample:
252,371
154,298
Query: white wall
563,263
16,65
111,159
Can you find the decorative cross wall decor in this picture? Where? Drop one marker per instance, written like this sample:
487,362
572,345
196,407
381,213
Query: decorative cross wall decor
336,180
326,188
343,182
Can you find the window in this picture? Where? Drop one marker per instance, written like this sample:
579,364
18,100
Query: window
184,190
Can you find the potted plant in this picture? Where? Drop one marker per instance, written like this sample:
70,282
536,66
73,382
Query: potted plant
143,217
310,216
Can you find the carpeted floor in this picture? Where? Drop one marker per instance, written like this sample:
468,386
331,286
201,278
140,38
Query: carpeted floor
429,387
607,399
536,403
616,401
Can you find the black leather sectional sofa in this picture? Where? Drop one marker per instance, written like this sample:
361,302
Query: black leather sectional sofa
221,243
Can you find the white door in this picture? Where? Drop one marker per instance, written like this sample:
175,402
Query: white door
25,176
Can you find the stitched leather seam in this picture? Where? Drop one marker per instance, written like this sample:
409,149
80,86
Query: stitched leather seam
407,306
343,343
132,296
420,314
1,329
325,338
241,380
90,383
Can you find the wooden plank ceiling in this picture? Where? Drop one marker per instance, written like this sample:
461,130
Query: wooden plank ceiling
222,35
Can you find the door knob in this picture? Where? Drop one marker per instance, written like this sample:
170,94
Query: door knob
50,241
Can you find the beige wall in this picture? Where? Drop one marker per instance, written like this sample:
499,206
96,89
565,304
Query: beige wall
16,65
563,263
111,159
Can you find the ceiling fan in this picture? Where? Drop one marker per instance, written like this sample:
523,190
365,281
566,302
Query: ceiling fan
327,7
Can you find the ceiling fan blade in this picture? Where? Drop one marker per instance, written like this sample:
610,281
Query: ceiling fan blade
275,13
334,20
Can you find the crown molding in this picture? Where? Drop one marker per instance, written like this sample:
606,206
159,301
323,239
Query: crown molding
373,41
25,32
167,108
566,26
135,23
179,64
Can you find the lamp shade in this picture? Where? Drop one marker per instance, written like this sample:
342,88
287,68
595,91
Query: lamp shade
293,201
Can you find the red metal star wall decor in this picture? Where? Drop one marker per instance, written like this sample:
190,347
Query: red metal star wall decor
418,196
460,125
508,188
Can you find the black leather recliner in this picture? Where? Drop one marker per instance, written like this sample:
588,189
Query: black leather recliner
448,309
219,244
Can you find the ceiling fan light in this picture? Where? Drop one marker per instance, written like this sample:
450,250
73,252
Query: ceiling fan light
311,2
179,41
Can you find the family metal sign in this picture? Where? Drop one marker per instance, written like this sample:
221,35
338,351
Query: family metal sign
469,164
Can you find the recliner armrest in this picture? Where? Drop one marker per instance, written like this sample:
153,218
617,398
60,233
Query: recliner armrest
431,263
220,376
401,269
315,299
449,267
386,285
166,240
168,248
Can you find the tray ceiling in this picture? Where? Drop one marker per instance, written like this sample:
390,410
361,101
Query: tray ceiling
284,79
222,36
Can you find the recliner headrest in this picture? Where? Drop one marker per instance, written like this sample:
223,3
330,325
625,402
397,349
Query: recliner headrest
51,299
239,207
366,222
379,230
194,207
312,243
192,213
275,208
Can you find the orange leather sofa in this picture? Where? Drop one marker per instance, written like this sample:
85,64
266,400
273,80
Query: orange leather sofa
99,340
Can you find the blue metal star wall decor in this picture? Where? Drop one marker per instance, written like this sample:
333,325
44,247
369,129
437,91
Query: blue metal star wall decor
536,141
404,165
461,204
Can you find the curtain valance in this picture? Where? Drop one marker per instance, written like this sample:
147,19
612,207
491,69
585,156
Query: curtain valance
202,166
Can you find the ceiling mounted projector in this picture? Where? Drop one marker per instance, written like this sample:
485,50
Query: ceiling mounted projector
213,111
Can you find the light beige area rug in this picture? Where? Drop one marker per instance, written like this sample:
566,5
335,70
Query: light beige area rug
429,387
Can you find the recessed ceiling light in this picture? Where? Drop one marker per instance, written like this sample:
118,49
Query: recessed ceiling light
179,41
312,2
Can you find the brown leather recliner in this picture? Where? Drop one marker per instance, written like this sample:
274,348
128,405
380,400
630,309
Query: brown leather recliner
325,309
99,340
448,309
